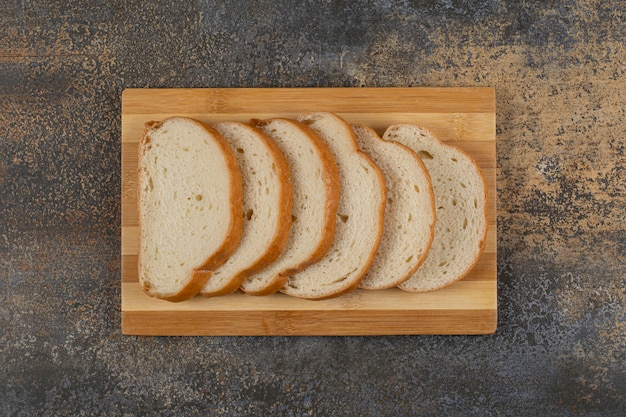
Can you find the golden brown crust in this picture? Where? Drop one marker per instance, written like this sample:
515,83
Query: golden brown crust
333,190
145,139
195,284
236,206
200,276
281,234
432,225
276,284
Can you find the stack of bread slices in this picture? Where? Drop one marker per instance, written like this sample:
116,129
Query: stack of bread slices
312,207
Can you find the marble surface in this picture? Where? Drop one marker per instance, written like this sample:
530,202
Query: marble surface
559,71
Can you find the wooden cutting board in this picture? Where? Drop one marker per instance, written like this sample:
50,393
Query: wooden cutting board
462,116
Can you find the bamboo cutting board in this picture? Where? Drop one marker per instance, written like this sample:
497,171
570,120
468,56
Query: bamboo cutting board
462,116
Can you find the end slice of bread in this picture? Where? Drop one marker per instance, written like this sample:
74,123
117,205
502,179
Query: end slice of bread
189,221
409,213
359,221
315,185
267,201
460,202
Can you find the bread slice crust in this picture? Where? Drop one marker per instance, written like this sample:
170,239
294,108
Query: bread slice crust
200,274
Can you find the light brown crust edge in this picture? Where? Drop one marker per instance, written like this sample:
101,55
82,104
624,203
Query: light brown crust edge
483,241
279,241
331,180
381,213
333,190
431,193
200,276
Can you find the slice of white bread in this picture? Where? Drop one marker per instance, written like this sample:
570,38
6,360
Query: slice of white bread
409,212
460,201
315,184
267,201
189,222
359,222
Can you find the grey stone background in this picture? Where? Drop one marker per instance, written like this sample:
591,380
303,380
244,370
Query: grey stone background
559,70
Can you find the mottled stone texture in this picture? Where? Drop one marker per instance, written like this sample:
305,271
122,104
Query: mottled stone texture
559,70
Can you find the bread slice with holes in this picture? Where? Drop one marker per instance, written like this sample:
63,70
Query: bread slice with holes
267,201
189,220
409,212
460,202
315,185
359,221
